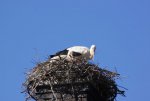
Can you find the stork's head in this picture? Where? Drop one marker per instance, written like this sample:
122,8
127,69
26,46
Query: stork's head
92,51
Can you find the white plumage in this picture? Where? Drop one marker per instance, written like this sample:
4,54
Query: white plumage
75,52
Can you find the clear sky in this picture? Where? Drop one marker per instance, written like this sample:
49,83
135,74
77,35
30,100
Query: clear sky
30,30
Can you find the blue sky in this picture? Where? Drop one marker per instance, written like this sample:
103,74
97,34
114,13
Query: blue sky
30,30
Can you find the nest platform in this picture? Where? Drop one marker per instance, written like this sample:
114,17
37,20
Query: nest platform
71,81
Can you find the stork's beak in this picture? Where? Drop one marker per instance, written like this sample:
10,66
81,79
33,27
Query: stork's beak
93,58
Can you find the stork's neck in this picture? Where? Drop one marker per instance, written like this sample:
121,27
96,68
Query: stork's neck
91,53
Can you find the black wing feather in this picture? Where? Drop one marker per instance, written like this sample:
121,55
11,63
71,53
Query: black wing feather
76,54
63,52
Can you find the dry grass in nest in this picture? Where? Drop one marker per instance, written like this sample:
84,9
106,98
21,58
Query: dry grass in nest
71,81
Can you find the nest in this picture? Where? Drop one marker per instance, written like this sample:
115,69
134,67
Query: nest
71,81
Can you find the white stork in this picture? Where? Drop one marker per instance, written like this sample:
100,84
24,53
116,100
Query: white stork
75,52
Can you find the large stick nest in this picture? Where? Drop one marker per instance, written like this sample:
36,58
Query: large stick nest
71,81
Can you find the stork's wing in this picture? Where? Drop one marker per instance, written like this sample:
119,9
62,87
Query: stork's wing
63,52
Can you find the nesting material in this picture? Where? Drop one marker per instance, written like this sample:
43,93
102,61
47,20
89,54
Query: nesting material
71,81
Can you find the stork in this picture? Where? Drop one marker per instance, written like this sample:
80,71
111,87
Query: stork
75,52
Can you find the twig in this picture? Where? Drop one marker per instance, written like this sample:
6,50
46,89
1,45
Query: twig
52,90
